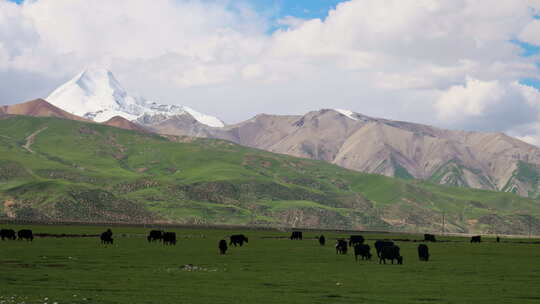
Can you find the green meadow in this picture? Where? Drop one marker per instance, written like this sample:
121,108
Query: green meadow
269,269
83,172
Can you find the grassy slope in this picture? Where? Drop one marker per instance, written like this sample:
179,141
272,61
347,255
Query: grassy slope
266,270
90,172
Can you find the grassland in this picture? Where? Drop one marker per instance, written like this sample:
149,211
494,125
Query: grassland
269,269
85,172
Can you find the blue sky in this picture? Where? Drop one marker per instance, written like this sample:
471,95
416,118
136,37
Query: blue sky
281,8
306,9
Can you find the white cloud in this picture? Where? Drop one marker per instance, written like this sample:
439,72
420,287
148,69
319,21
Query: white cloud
470,100
402,59
291,21
531,33
491,106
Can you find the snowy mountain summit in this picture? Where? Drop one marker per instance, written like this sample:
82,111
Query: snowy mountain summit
96,94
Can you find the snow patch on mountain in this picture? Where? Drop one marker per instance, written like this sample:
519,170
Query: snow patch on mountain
96,94
347,113
205,119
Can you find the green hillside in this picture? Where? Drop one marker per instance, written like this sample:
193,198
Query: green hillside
54,169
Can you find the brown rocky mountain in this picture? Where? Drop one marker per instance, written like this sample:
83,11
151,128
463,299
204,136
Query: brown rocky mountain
38,107
42,108
122,123
491,161
180,124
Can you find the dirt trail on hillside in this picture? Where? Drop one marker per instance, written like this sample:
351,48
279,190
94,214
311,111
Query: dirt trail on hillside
30,139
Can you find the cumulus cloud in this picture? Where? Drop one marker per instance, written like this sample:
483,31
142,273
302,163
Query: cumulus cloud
472,99
489,105
452,63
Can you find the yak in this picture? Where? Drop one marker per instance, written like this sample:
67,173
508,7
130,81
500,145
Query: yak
390,253
296,235
155,235
341,247
423,252
476,239
8,234
106,237
356,240
322,240
362,250
169,238
25,234
429,238
380,244
238,239
222,246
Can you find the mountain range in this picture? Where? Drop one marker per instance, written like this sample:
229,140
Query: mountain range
54,169
492,161
66,158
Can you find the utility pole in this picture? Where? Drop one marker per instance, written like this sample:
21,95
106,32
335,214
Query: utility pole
443,223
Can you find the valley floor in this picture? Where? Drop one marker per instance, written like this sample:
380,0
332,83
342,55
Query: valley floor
269,269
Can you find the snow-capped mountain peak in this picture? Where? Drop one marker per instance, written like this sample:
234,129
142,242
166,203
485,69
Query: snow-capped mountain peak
96,94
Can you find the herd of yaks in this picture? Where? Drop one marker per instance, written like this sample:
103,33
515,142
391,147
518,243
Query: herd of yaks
386,250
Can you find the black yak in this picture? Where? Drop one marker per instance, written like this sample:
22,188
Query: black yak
222,246
155,235
390,253
238,239
380,244
8,234
296,235
106,237
322,240
362,250
476,239
423,252
429,238
341,247
25,234
356,240
169,238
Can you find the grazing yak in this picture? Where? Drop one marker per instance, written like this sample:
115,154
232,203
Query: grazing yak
380,244
222,246
356,240
106,237
341,247
25,234
8,234
238,239
423,252
322,240
476,239
296,235
169,238
429,238
155,235
362,250
390,253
